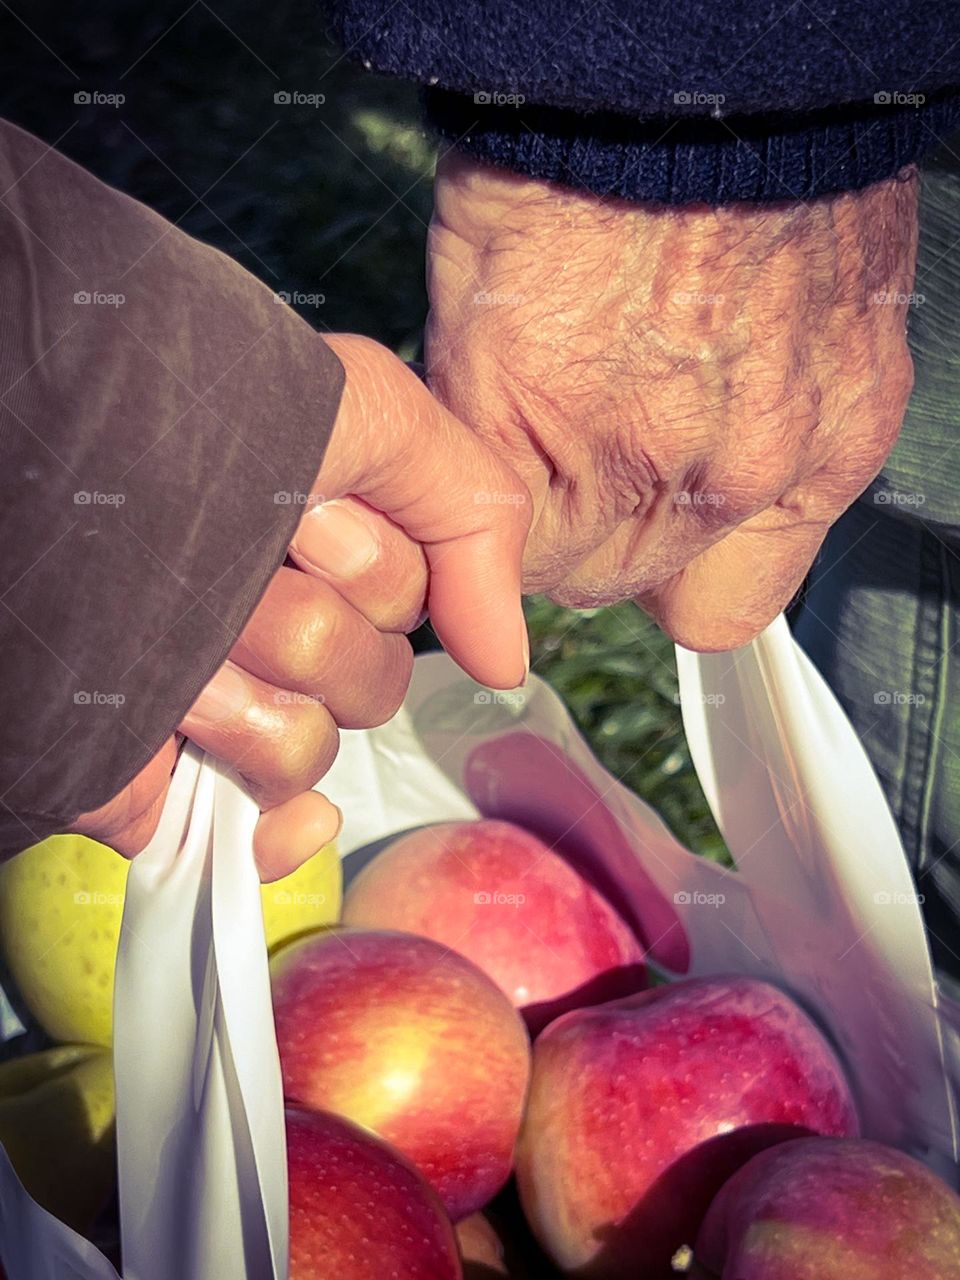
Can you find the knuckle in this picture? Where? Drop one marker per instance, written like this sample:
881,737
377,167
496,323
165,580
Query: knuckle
301,755
313,631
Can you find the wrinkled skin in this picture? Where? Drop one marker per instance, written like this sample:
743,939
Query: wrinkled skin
693,395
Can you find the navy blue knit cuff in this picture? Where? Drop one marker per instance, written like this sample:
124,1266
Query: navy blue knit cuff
709,160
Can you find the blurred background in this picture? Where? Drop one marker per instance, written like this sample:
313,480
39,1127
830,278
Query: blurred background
329,204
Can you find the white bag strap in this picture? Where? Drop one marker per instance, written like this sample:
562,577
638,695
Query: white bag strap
804,816
200,1134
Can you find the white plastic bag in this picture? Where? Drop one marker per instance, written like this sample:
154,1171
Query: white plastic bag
822,904
200,1137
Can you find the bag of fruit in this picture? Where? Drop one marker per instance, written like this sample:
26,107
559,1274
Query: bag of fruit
686,1017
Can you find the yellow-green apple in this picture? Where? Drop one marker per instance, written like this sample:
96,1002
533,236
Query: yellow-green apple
832,1209
411,1040
503,898
61,904
57,1127
641,1109
358,1209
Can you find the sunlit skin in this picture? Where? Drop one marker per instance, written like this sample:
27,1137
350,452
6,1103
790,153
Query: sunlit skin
511,904
359,1210
832,1209
640,1109
400,477
408,1038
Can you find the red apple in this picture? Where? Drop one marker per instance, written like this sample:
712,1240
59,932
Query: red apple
509,903
833,1209
359,1210
641,1109
411,1040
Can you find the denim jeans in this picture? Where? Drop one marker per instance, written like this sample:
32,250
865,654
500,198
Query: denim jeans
881,613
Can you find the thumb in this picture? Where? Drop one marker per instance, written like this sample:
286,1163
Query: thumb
402,452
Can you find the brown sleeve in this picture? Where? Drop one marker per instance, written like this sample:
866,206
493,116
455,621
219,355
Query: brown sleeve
161,418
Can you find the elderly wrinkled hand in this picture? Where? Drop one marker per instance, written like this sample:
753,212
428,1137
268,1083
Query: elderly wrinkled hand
692,394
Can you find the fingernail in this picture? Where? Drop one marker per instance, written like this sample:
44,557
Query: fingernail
333,539
228,694
525,641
